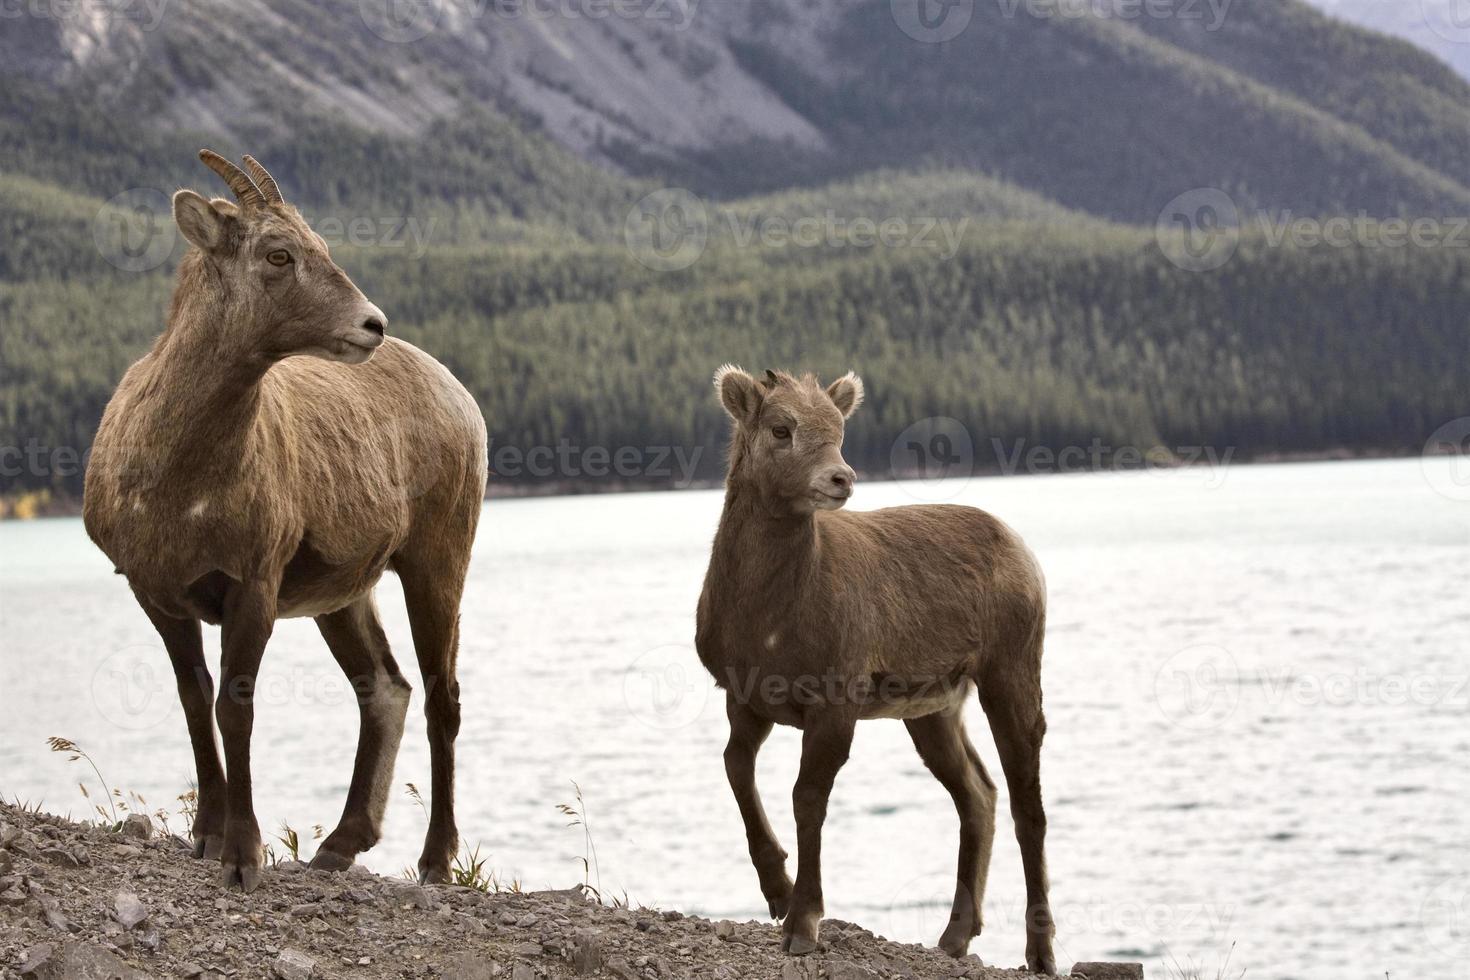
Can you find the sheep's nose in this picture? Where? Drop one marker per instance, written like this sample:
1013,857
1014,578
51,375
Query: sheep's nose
375,325
842,479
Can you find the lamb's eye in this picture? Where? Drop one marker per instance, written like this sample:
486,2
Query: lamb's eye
781,432
279,257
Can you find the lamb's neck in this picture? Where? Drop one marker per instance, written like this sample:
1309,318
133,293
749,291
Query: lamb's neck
765,552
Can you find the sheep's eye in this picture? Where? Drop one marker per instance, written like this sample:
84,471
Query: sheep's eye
781,432
279,257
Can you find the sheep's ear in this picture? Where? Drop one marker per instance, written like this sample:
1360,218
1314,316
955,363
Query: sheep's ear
846,393
200,222
739,393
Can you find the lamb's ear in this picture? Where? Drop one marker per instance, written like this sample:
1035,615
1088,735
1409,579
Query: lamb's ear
201,223
846,393
739,393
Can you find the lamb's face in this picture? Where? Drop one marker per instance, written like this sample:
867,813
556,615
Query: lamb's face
788,434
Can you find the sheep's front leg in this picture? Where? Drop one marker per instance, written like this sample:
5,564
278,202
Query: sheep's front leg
748,732
826,741
249,617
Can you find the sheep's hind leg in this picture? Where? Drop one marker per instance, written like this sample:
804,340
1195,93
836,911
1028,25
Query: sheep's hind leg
947,752
360,647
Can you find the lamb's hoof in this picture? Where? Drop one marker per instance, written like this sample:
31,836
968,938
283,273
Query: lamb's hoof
330,861
209,847
240,877
434,876
796,945
779,906
956,946
1041,962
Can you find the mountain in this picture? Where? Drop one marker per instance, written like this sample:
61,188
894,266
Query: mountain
1438,26
1283,107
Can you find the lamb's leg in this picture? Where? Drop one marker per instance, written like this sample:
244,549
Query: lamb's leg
946,751
185,647
359,645
826,741
748,733
1013,708
432,592
249,618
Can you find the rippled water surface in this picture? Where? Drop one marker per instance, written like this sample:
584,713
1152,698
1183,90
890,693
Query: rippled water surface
1255,681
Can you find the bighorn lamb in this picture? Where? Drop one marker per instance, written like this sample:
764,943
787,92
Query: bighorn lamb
819,618
234,481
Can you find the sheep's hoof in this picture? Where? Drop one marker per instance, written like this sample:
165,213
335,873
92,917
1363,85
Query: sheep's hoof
209,846
330,861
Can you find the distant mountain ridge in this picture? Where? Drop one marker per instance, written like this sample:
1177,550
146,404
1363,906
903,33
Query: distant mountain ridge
1276,103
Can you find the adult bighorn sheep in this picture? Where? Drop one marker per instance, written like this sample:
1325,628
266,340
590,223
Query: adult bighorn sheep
818,618
235,482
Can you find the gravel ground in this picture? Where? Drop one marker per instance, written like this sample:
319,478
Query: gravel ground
79,902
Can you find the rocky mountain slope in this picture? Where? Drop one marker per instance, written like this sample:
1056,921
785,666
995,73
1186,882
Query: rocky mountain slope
85,903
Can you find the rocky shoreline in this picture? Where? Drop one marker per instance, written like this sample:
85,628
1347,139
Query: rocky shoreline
83,902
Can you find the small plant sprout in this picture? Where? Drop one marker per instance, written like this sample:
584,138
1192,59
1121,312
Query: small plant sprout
112,796
577,814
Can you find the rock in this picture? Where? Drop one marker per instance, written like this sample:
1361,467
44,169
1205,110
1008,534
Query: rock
1109,971
846,970
305,911
528,949
527,921
75,961
7,863
469,966
129,911
51,915
725,929
586,952
523,971
293,964
61,856
137,826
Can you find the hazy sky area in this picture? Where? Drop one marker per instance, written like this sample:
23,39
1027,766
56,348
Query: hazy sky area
1441,26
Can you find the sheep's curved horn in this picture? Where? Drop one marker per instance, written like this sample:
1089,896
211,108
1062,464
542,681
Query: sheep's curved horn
264,181
245,190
